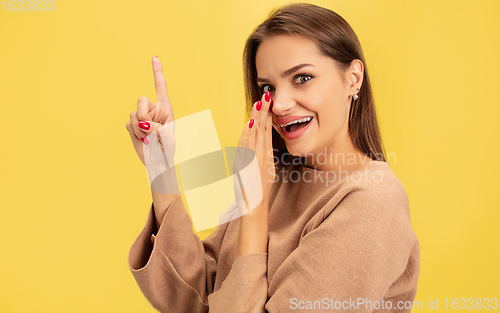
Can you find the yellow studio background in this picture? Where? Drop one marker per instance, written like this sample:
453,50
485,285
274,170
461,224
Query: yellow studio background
74,195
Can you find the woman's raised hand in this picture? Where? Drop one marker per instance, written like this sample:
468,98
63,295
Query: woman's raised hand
153,118
152,130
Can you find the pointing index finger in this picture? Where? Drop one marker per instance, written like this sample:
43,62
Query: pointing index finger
160,83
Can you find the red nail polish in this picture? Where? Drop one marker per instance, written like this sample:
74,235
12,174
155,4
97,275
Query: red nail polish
251,123
268,96
144,125
145,140
271,104
259,105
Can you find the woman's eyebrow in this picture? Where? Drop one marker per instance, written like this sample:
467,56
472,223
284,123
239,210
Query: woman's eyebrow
286,73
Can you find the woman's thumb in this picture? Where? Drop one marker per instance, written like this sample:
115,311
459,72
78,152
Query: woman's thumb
149,126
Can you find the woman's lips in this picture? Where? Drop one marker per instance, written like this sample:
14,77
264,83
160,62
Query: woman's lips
288,119
298,132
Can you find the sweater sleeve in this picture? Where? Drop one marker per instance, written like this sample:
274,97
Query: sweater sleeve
176,271
349,257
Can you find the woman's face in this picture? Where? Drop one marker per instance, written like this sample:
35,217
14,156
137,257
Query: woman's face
305,83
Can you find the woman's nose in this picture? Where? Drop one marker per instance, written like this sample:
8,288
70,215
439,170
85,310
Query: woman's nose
282,104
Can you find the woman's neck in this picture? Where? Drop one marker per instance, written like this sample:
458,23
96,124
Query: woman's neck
337,161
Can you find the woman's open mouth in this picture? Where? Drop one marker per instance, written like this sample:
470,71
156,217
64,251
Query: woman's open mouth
297,128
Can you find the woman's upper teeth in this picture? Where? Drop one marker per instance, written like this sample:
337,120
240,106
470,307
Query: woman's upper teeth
305,119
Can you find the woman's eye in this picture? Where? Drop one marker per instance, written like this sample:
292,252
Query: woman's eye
267,88
300,79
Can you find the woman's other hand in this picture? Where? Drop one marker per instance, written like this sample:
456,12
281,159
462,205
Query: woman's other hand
257,136
253,230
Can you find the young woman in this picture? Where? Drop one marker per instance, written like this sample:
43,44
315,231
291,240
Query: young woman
333,230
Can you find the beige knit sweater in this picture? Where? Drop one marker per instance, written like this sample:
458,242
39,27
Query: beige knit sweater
345,245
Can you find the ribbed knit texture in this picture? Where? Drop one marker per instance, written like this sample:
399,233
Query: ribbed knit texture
338,243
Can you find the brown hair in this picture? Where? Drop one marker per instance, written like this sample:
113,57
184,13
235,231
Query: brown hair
336,39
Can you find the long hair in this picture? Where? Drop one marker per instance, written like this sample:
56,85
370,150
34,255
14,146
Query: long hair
336,39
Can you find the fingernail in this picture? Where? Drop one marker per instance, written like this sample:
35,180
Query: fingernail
251,123
271,104
144,125
155,57
259,105
145,140
268,96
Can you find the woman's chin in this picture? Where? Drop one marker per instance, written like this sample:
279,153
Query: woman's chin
299,153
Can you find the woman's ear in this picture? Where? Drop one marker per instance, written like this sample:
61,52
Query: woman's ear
355,76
